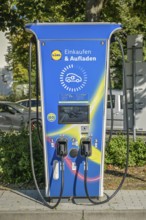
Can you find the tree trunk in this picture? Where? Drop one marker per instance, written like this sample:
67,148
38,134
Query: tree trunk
93,9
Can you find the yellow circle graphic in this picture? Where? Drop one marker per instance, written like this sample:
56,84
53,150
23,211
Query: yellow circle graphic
56,54
51,117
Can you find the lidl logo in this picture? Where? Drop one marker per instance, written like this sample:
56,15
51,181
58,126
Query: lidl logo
56,54
51,117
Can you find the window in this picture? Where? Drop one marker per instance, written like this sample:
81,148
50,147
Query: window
34,103
121,101
6,109
109,101
24,103
1,108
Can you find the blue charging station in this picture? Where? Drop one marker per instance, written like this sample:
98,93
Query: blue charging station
73,61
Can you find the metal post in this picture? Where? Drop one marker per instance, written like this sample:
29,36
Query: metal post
133,89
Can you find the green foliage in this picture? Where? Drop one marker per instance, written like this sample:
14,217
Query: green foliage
15,164
115,153
132,17
2,98
15,97
138,152
14,14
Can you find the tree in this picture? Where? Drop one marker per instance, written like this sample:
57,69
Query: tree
94,8
140,8
126,13
14,14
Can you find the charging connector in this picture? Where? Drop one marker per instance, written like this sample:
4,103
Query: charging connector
61,147
86,149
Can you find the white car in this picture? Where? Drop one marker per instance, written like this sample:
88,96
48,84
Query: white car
25,103
14,116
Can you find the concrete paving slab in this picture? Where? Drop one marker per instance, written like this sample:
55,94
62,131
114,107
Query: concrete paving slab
26,204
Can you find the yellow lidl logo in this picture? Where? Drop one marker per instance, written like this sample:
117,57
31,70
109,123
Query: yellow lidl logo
51,117
56,54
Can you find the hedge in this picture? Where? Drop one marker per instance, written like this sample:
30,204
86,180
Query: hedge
115,153
15,164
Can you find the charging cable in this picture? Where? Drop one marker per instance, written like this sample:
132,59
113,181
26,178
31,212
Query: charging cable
111,108
31,147
127,152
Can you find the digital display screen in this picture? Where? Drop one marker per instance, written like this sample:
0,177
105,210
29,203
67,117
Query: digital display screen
73,114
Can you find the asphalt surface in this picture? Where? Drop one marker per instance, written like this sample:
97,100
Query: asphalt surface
26,204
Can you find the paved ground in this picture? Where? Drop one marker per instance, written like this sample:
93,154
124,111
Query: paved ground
25,204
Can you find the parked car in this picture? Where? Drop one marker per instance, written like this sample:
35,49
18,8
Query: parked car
25,102
14,116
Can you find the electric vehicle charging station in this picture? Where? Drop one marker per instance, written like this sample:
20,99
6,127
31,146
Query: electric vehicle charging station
73,63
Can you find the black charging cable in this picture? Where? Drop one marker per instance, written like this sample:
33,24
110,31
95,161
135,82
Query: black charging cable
111,107
127,152
31,147
39,122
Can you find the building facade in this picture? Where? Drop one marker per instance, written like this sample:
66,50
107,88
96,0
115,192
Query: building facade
6,77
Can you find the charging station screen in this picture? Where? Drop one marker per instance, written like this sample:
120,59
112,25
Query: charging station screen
73,114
